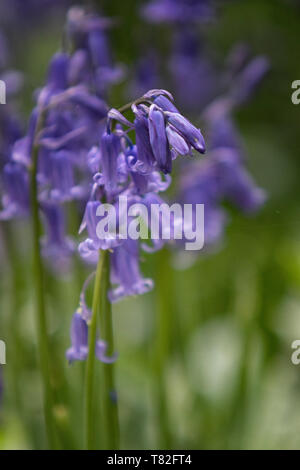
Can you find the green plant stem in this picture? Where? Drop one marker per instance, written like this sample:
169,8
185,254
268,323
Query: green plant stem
40,310
163,333
89,379
109,402
136,102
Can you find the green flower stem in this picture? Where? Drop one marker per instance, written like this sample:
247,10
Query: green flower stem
163,334
89,380
109,403
40,310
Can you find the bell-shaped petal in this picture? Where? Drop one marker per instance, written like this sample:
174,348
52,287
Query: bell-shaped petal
126,273
110,148
79,339
190,133
158,139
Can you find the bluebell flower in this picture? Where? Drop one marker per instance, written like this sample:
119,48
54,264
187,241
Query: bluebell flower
187,130
158,139
90,246
177,142
126,273
79,339
109,148
164,103
143,145
79,342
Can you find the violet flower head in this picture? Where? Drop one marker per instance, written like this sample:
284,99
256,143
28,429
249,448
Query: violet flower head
158,139
126,272
187,130
79,339
109,148
138,172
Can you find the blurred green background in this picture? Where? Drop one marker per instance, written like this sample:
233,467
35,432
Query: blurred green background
224,325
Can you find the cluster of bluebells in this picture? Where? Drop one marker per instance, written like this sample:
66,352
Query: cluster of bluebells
91,155
72,105
139,171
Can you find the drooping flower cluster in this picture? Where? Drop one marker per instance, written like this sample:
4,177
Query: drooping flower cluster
134,171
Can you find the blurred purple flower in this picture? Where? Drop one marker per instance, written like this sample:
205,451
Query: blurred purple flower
178,11
79,342
56,246
126,272
221,177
